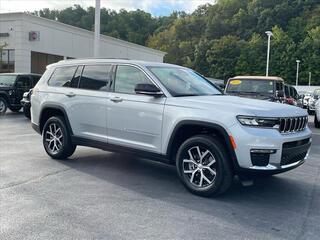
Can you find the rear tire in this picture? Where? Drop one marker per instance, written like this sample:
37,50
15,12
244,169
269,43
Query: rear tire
316,122
56,139
3,106
203,166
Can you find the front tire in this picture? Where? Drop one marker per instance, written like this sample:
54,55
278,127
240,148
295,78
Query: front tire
203,166
56,139
316,122
3,106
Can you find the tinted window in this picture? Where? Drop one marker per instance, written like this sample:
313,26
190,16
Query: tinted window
36,80
183,81
279,86
127,78
286,91
23,82
7,80
95,77
62,76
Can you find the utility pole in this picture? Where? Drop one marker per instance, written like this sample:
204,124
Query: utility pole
96,47
297,76
309,78
269,34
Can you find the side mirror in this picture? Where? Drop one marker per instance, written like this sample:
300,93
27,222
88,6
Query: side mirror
148,89
280,93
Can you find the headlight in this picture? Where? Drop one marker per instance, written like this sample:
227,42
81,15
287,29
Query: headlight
262,122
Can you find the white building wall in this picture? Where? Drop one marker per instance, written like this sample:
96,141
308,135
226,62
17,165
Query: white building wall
64,40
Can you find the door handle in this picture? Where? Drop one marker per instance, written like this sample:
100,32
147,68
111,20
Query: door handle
116,99
70,94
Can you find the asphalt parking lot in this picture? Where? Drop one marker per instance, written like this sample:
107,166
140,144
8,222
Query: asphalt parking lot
102,195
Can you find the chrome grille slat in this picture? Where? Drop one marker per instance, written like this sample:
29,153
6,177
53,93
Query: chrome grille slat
292,124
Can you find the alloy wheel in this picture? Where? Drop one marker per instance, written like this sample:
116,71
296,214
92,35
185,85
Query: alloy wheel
199,166
54,138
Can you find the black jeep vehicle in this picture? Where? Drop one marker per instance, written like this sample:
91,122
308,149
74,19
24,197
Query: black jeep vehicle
12,88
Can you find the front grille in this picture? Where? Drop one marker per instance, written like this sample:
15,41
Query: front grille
295,151
296,143
293,157
293,124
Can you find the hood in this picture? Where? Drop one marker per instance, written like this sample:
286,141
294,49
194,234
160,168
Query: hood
5,88
238,106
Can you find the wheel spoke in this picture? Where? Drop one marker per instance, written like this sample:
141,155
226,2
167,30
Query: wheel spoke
213,172
201,179
206,179
203,155
50,133
190,154
210,163
199,153
190,161
192,176
58,141
58,130
188,171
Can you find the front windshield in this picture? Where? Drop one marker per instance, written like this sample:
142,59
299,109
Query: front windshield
7,80
183,82
250,86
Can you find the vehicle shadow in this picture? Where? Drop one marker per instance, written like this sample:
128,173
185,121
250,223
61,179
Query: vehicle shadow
281,196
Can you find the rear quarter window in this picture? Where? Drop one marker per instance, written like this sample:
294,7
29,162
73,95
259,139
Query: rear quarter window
62,76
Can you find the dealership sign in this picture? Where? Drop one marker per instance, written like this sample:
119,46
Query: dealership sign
34,36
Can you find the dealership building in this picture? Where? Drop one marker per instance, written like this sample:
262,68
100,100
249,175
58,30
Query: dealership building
31,43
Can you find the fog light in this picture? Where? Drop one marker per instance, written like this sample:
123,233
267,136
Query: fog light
268,151
260,157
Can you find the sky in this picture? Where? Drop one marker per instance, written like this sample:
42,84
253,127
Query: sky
155,7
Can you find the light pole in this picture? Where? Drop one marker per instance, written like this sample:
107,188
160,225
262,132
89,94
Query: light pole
297,76
96,30
269,34
309,78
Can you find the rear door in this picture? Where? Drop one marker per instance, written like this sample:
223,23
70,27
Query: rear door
82,92
89,108
134,120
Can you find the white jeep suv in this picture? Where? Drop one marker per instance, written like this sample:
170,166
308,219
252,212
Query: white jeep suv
167,113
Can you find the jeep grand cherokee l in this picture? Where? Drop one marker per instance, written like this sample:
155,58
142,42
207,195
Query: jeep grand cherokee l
168,113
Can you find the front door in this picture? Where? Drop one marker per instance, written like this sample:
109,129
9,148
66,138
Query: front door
134,120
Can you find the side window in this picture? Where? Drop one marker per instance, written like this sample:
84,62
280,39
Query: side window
279,86
23,82
62,76
127,78
95,77
35,80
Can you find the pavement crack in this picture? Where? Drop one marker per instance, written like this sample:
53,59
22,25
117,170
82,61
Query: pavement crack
36,179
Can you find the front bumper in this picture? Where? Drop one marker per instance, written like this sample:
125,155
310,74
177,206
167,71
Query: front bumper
288,150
